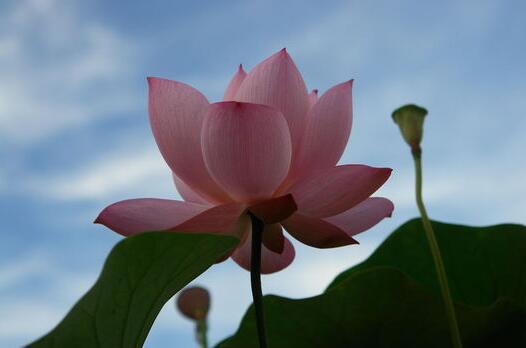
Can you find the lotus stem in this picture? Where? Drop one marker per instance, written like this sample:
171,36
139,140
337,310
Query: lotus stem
201,333
435,252
255,278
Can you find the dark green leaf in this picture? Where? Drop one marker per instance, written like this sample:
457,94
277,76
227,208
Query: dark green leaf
378,307
483,264
140,274
392,299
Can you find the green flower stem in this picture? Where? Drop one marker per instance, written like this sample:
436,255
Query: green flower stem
255,278
201,336
435,251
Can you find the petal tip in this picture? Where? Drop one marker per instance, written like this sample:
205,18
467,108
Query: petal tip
283,54
154,82
150,80
100,219
153,79
385,171
347,84
391,209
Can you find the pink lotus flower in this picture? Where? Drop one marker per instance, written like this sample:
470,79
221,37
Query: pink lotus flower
270,148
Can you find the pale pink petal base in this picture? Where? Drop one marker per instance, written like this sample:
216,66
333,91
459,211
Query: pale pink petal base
270,261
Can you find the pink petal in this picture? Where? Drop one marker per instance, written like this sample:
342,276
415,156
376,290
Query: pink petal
275,209
222,218
316,232
335,231
335,190
234,84
328,129
313,98
246,148
187,193
147,214
277,82
177,112
270,261
150,214
273,238
363,216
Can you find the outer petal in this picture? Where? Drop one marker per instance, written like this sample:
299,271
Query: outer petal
150,214
338,230
234,84
337,189
277,82
247,149
270,261
363,216
187,193
275,209
328,129
176,117
273,238
147,214
313,98
316,232
222,218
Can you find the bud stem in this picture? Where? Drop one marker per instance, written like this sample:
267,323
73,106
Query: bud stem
201,329
435,252
255,278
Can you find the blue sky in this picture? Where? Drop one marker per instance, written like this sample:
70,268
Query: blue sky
74,133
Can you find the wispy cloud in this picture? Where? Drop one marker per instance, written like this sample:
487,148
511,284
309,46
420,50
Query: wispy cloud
116,173
65,72
30,316
58,70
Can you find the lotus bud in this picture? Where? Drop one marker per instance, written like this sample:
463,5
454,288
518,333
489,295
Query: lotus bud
410,119
194,303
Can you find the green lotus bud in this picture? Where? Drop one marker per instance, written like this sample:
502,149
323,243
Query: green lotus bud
410,119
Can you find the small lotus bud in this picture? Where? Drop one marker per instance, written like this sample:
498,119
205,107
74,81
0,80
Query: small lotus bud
410,119
194,302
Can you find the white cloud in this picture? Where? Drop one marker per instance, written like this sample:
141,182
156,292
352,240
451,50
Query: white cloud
52,63
36,101
28,319
34,315
115,174
22,268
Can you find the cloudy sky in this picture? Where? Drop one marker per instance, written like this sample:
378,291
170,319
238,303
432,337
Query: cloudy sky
74,133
